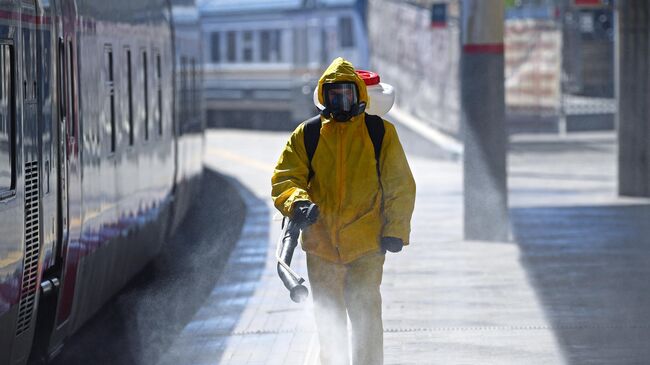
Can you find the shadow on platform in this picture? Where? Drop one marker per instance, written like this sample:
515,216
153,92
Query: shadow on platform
590,267
143,320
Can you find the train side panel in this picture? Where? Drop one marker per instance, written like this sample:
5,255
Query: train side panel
127,150
190,119
101,152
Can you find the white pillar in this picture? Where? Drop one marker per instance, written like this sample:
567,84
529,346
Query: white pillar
483,121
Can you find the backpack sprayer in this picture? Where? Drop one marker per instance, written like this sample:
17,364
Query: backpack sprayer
286,245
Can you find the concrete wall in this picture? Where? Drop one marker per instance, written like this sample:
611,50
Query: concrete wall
420,61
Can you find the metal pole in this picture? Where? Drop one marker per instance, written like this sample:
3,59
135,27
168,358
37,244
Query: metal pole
483,121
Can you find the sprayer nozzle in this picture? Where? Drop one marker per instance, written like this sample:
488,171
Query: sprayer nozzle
299,293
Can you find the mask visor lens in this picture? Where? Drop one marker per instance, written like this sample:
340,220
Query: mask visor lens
341,96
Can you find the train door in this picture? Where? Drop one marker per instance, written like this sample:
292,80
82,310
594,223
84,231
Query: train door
68,167
62,150
25,93
54,308
54,153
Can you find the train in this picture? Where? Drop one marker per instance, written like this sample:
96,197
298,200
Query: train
263,58
101,151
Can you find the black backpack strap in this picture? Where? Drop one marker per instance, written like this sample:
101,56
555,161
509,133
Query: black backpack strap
311,135
376,130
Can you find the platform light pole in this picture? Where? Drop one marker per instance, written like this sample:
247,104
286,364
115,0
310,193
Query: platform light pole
483,121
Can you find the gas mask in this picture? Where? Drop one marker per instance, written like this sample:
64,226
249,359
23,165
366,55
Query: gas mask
342,101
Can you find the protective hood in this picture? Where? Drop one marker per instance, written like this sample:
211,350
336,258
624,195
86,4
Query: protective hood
341,71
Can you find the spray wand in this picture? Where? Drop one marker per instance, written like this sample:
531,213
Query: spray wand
284,253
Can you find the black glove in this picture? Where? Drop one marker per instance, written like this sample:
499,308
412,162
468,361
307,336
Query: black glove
392,244
304,213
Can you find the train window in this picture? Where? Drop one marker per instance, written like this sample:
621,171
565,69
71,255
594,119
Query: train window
7,121
346,36
29,62
215,46
265,43
159,76
129,91
73,122
247,46
108,61
145,71
270,46
183,96
276,46
324,57
300,45
195,99
61,80
232,46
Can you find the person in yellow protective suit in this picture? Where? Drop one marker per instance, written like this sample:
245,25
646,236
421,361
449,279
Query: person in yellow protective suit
364,211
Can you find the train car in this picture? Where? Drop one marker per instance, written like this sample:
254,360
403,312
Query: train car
99,153
263,58
188,104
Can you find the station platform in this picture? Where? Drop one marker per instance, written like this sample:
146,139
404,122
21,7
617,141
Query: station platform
570,287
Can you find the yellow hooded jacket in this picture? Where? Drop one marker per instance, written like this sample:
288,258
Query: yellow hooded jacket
345,184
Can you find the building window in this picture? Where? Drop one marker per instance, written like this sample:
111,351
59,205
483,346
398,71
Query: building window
232,46
7,121
247,46
215,46
129,92
346,35
145,89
